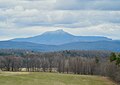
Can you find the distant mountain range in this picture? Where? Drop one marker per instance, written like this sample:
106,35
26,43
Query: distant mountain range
60,40
60,37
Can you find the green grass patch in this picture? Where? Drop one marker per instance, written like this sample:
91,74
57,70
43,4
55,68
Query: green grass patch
24,78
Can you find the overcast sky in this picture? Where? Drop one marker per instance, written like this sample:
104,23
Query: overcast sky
24,18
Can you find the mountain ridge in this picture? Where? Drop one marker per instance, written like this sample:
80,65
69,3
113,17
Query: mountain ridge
60,40
98,45
59,37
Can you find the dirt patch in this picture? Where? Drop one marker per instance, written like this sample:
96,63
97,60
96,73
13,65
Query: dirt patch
13,73
108,81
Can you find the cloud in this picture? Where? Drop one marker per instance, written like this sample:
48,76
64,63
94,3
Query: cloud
108,30
88,5
28,4
63,4
21,17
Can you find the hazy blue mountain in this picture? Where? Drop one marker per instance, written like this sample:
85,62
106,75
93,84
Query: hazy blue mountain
25,45
97,45
59,37
60,40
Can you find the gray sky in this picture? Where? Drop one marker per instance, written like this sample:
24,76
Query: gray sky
24,18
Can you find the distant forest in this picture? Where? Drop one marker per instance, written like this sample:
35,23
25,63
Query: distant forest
104,63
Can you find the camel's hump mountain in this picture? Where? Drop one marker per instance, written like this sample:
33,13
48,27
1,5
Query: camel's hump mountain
59,37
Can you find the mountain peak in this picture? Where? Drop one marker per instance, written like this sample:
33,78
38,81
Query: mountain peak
60,31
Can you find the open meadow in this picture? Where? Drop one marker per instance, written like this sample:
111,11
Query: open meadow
35,78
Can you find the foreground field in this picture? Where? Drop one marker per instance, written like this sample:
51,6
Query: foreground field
24,78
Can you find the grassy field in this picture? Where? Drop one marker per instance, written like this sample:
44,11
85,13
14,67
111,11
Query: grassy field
24,78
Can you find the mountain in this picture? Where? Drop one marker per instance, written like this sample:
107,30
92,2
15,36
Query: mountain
61,40
96,45
25,45
59,37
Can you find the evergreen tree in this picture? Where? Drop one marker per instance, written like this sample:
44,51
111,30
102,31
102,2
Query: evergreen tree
112,57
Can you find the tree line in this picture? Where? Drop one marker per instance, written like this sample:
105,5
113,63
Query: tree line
73,62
